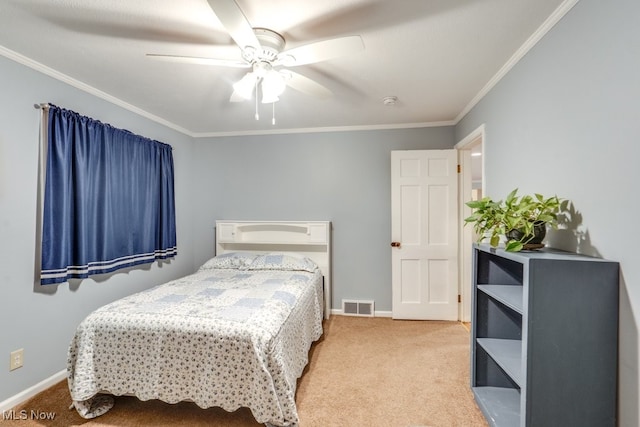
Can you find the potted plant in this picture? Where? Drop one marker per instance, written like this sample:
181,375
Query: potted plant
522,220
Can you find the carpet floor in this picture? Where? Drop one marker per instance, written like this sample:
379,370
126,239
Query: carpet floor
362,372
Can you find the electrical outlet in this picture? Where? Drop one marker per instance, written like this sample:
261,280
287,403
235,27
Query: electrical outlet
17,359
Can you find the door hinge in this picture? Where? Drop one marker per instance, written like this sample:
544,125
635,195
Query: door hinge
459,168
459,298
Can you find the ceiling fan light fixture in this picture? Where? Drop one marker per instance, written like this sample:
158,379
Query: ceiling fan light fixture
244,87
269,98
273,84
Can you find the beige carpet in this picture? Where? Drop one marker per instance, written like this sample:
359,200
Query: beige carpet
363,372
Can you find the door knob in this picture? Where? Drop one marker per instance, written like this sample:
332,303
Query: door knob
395,244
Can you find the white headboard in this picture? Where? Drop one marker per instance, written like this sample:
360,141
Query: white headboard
309,238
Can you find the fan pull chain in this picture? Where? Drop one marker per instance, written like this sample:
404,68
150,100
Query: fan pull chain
257,115
273,113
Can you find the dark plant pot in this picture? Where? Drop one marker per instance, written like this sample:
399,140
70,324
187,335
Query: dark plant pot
539,232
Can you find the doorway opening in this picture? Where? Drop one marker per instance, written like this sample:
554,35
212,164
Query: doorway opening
471,185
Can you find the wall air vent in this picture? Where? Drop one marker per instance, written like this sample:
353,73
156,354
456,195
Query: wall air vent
358,308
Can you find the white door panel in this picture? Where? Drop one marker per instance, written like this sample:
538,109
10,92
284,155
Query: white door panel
424,225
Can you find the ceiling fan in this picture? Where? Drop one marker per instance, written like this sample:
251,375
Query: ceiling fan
262,51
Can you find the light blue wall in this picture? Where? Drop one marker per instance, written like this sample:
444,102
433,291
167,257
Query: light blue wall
344,177
566,121
43,322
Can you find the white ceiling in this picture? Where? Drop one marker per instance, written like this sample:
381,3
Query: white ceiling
437,56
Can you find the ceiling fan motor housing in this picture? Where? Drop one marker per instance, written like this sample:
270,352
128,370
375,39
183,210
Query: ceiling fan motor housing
271,44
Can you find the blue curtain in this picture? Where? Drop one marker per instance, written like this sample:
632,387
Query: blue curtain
108,199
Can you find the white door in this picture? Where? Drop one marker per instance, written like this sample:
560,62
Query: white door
424,233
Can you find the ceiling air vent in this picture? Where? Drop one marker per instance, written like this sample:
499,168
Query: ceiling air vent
357,308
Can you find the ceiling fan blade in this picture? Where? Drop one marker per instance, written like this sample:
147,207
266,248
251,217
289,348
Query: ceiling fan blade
199,60
234,21
106,20
321,51
307,86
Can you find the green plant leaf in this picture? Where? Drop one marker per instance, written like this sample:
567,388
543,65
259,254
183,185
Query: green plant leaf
513,246
475,204
511,196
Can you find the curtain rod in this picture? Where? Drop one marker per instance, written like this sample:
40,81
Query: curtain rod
45,106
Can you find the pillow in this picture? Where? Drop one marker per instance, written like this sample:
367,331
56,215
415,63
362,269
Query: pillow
284,262
236,260
291,254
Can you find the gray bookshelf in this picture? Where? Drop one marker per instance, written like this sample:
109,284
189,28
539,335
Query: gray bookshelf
544,342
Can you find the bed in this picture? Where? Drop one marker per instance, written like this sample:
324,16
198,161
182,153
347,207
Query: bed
236,333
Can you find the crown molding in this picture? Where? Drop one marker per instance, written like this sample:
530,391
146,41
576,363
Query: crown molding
21,59
323,129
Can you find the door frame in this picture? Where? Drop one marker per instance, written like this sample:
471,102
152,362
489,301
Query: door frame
465,234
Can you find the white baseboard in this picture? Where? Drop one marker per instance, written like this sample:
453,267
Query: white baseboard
377,313
32,391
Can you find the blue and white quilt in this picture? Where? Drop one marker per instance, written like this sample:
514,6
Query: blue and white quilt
221,337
